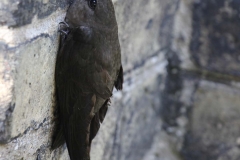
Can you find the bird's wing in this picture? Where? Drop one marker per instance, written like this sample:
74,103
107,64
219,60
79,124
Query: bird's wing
75,98
98,117
99,79
79,80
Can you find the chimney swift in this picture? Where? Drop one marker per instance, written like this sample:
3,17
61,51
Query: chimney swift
88,67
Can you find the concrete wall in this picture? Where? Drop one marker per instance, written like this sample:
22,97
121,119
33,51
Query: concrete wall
181,68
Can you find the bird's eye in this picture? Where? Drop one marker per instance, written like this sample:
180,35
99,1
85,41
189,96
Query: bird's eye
92,4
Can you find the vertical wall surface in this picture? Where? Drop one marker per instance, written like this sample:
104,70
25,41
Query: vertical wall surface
181,91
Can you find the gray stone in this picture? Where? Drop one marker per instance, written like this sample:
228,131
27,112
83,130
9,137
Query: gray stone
16,13
215,38
138,23
215,123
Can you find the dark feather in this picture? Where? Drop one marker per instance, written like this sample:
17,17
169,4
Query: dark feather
103,110
95,125
119,82
58,137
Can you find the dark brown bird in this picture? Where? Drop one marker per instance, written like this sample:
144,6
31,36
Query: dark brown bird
88,66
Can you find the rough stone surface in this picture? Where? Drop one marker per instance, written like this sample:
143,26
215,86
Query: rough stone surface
215,125
215,40
16,13
180,98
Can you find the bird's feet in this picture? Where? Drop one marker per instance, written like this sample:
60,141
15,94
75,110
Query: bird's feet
63,28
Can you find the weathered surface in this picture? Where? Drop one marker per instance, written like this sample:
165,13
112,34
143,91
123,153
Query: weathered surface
202,85
215,41
28,61
215,123
16,13
180,98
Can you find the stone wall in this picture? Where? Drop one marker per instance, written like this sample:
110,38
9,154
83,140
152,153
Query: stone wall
180,98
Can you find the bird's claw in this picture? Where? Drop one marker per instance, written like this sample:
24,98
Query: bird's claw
63,28
63,32
65,23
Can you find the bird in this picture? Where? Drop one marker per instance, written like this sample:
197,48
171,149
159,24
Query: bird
88,67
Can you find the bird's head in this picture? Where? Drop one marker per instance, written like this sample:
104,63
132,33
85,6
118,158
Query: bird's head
91,13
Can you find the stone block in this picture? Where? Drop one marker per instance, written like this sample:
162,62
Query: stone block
214,123
22,12
139,30
215,40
